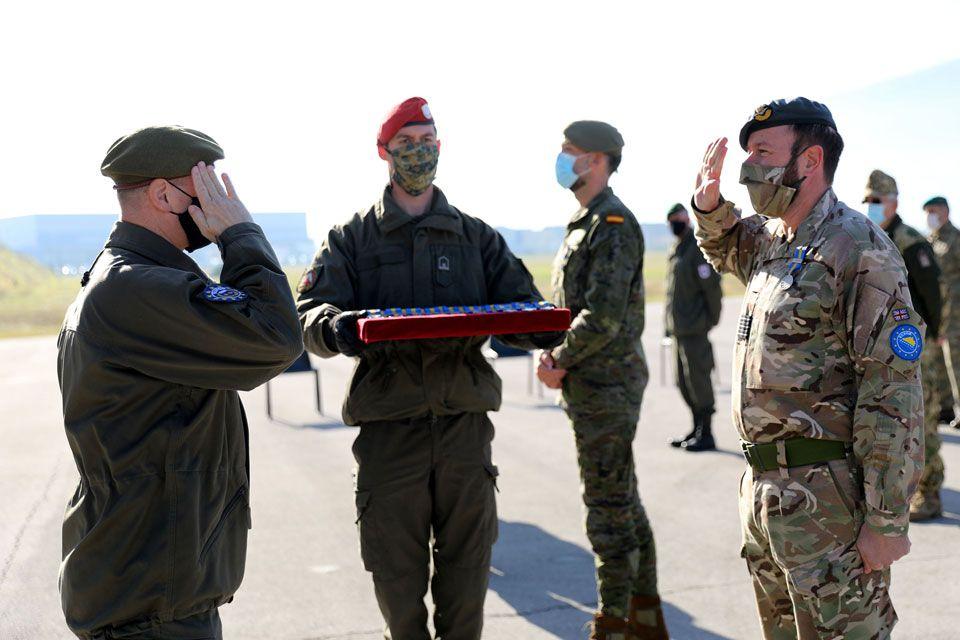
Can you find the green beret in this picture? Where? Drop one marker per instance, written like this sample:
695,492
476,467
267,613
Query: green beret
879,184
936,201
592,135
781,112
677,208
158,152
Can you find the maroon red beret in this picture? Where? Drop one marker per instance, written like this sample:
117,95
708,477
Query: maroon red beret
410,111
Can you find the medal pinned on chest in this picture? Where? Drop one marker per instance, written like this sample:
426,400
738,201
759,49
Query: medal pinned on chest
795,265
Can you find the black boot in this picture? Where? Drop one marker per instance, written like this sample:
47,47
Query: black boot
678,442
702,439
947,416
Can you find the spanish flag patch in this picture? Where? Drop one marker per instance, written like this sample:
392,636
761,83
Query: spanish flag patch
615,219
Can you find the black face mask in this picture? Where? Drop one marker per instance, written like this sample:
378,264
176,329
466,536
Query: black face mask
195,239
678,227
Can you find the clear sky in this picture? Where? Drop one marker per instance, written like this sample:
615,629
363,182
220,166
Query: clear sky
294,92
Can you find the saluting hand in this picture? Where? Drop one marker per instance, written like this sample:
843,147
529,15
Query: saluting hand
219,207
706,196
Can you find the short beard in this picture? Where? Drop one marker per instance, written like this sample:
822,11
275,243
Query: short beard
579,184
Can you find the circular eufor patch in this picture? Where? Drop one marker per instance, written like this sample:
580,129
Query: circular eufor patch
220,293
906,342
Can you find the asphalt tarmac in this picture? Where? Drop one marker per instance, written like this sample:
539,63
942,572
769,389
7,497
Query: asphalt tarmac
304,579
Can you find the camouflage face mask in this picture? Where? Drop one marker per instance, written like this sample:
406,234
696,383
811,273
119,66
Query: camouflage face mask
768,195
415,166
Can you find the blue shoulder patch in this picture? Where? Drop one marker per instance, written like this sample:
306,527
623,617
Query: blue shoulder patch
906,342
220,293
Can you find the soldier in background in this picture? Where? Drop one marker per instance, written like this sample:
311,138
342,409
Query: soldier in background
923,276
692,309
945,239
827,393
602,370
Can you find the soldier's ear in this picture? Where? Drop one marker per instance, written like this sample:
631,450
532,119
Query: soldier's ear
157,194
811,159
382,152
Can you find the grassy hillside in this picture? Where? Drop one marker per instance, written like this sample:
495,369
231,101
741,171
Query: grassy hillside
33,299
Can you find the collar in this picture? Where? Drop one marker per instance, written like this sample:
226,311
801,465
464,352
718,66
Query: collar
684,239
946,229
441,215
895,222
808,227
142,241
582,212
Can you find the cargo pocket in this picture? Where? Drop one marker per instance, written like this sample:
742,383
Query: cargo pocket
493,523
813,535
369,533
237,507
786,347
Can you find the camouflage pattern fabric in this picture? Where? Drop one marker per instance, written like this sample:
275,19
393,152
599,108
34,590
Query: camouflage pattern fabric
415,166
815,360
879,184
799,540
828,347
598,274
617,524
938,371
933,470
923,278
946,247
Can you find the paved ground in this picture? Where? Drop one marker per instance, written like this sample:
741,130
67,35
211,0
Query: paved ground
304,579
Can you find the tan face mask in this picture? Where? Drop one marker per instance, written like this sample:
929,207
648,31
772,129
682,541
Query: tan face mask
768,195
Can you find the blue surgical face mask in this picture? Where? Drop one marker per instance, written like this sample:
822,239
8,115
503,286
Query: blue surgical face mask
875,212
566,176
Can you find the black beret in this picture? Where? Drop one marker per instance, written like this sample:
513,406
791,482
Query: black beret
158,152
781,112
939,201
677,208
592,135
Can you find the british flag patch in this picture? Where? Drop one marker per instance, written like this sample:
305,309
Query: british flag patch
901,315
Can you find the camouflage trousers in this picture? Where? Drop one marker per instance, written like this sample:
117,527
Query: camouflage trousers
617,524
800,528
932,479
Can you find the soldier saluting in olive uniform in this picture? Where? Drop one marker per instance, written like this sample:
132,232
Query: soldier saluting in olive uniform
692,308
923,276
151,356
601,367
424,450
826,392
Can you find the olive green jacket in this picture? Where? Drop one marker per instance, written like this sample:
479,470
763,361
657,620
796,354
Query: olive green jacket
693,290
946,246
383,258
151,356
923,272
598,274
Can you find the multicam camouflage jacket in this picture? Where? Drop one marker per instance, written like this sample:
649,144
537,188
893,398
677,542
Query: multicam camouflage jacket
946,246
598,274
828,344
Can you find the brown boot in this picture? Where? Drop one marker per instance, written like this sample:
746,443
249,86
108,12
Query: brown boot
646,619
925,507
607,627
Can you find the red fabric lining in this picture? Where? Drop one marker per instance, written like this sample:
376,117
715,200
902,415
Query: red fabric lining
460,325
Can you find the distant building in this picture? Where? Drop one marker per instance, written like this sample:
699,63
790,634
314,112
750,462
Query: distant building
69,243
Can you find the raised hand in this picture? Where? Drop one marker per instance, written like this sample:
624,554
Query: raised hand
706,196
219,207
